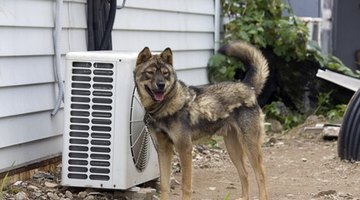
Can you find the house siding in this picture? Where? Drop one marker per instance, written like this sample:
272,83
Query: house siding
27,82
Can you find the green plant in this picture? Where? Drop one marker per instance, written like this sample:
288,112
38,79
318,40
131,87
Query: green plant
223,68
277,110
336,112
213,142
326,108
262,23
329,61
227,197
323,100
3,185
4,182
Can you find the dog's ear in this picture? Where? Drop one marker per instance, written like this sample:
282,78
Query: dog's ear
143,56
166,55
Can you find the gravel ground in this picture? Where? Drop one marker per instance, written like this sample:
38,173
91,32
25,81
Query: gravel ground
299,166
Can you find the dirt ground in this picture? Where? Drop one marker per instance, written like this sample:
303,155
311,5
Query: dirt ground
299,165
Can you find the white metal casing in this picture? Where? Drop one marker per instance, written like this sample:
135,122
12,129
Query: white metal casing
97,151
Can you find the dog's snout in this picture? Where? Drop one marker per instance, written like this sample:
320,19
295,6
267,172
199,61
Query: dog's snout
160,85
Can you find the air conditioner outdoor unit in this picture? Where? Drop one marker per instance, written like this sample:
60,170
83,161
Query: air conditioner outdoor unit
106,144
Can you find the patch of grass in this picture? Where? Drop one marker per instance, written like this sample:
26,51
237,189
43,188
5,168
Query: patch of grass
227,197
4,183
214,141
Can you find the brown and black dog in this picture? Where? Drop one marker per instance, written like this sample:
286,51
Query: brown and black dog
177,114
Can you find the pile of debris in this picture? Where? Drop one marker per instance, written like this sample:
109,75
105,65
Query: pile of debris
204,156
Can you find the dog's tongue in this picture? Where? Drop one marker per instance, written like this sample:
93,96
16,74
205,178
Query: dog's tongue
159,96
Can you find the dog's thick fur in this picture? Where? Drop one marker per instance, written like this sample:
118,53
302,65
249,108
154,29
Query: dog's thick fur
177,114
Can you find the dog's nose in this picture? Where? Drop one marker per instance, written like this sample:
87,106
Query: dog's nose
160,85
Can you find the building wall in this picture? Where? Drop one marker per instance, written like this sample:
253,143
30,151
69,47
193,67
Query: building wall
346,31
306,8
27,82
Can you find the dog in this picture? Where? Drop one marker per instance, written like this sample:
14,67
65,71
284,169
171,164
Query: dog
177,115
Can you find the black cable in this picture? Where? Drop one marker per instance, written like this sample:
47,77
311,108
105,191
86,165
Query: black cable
100,20
106,40
97,11
90,27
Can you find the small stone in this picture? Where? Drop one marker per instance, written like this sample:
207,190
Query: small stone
39,175
325,193
17,183
173,183
154,197
290,195
51,185
142,194
37,194
272,141
68,194
90,197
344,195
231,187
212,188
82,194
275,125
134,189
304,159
53,196
32,188
21,196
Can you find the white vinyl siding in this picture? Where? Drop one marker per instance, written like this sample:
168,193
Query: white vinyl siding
27,83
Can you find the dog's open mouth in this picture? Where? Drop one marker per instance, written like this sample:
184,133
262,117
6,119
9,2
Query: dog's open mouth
157,95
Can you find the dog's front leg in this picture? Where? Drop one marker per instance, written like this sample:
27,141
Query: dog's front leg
185,153
165,153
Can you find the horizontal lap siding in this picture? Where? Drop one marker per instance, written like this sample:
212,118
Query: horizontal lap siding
187,27
27,83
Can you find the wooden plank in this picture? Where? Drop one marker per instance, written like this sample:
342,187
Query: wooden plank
194,76
18,12
20,41
27,152
157,41
74,15
188,6
35,13
27,99
26,70
128,19
30,127
74,40
191,59
25,41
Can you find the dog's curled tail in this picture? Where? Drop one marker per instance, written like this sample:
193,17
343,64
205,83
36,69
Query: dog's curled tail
253,59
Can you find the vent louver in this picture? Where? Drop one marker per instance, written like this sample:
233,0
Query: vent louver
91,121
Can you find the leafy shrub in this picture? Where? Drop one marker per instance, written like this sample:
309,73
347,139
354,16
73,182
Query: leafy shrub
277,110
263,24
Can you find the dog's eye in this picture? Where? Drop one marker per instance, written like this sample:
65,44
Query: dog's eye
149,73
166,73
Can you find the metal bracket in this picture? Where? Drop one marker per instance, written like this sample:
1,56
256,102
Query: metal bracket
122,5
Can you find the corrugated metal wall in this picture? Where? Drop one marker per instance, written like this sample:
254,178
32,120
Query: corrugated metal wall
27,88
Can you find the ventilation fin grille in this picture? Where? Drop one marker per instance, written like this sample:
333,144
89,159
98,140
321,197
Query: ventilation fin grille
91,121
139,135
